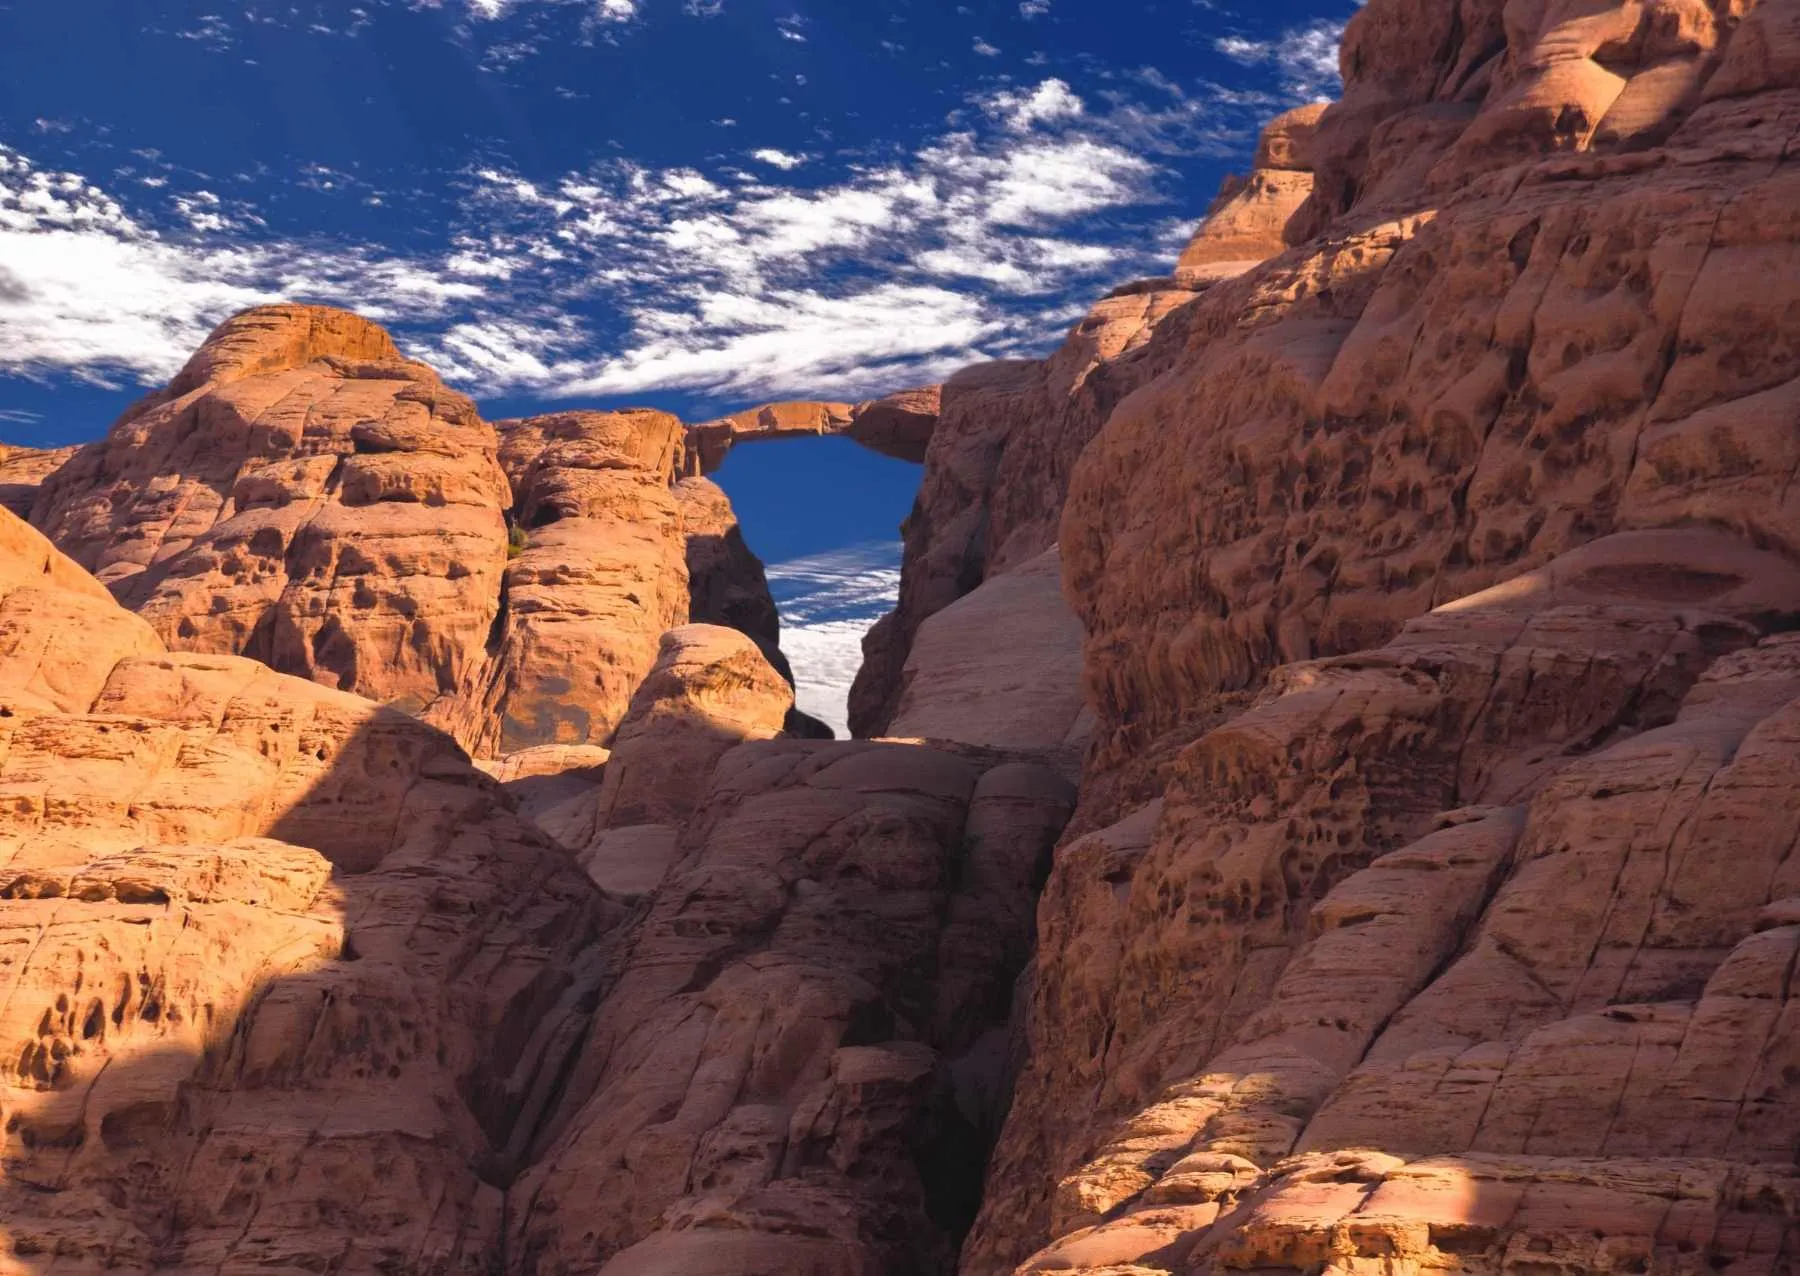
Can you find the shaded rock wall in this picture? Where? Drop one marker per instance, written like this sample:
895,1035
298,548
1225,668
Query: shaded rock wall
1437,594
773,1086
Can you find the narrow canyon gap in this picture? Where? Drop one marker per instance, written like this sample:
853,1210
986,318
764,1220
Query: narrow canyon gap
824,516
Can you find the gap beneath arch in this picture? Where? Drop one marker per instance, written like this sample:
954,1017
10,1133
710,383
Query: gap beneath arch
824,515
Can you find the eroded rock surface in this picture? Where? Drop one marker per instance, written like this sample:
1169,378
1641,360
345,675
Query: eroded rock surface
710,690
1249,221
302,495
272,957
1427,905
773,1085
597,573
996,472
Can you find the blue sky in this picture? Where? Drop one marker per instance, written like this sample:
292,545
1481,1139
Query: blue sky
691,204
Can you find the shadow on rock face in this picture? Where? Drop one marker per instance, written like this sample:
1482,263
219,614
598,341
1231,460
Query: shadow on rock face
276,961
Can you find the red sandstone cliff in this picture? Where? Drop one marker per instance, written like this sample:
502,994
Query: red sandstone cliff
1430,902
1410,581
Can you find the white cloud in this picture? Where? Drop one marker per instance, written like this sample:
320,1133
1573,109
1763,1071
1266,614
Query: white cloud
621,280
778,159
1305,58
86,289
1029,9
1049,102
985,49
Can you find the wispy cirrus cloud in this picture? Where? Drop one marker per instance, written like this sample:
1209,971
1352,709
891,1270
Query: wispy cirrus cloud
814,274
1305,58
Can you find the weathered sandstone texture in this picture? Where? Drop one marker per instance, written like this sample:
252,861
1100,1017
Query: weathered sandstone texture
302,495
790,1076
1009,433
597,572
710,690
23,471
1419,571
726,584
273,959
1431,901
1249,221
996,473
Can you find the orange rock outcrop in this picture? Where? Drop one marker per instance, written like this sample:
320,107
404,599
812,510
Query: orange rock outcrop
1413,580
273,959
302,495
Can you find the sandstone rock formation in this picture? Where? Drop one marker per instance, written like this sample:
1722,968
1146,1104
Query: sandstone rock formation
996,473
726,584
23,470
556,787
710,690
598,573
302,495
1429,901
1249,221
1427,906
1419,900
899,426
783,1079
272,957
1001,667
1009,433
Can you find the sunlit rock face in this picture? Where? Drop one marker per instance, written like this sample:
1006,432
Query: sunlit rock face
596,572
1430,904
272,958
303,495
